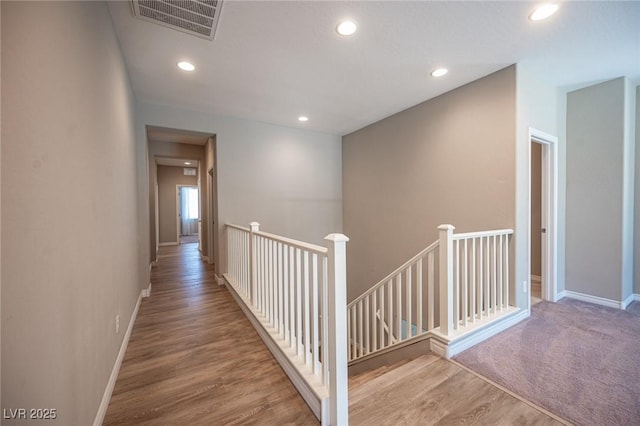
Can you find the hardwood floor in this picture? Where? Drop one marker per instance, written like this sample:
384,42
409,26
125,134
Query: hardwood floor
430,390
193,357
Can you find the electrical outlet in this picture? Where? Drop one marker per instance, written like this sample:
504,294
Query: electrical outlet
524,286
117,324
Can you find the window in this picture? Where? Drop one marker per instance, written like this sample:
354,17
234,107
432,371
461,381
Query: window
190,203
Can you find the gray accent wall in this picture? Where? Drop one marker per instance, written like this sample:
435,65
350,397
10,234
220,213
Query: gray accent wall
447,160
597,204
69,217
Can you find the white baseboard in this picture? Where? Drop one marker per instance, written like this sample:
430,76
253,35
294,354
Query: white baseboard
175,243
636,297
218,279
204,258
146,292
626,302
596,299
106,397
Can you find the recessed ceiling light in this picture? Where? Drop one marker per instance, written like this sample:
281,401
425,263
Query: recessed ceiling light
303,118
187,163
186,66
346,28
543,11
439,72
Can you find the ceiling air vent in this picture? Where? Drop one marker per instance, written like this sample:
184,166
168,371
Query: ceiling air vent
195,17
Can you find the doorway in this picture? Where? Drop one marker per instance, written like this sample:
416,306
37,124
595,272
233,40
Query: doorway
188,214
543,185
537,229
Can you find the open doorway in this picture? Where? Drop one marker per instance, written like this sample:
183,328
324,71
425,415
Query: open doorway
536,223
543,184
188,214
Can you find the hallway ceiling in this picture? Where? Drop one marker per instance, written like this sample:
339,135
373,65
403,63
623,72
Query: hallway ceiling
273,61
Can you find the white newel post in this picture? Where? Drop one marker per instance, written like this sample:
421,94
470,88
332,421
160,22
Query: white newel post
253,227
446,278
337,292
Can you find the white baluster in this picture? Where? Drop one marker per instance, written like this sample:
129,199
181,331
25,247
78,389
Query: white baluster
465,285
315,314
431,280
419,300
494,298
473,280
374,320
456,284
399,306
382,311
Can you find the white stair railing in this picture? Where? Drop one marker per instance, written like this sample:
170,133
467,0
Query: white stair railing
480,273
298,293
465,276
398,307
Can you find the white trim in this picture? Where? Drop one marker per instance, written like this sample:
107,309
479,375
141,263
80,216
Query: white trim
636,297
204,258
437,347
146,292
549,274
308,385
626,302
536,278
451,346
173,243
218,279
598,300
106,397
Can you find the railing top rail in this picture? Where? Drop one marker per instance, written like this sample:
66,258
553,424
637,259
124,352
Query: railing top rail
290,241
422,253
241,228
466,235
295,243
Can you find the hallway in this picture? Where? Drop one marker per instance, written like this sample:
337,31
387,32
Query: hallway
193,357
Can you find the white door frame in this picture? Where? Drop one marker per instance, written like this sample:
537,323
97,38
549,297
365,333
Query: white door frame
549,268
179,208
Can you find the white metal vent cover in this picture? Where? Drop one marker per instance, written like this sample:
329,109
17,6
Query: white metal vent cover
195,17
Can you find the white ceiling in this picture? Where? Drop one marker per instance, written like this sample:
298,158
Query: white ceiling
272,61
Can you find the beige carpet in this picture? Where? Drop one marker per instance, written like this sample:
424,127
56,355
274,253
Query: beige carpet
578,360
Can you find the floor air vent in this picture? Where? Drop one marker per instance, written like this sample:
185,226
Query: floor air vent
195,17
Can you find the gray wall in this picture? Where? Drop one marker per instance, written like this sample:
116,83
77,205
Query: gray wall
287,179
69,217
168,178
536,208
447,160
595,146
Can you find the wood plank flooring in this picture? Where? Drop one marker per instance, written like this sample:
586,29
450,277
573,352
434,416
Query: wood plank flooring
430,390
194,358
